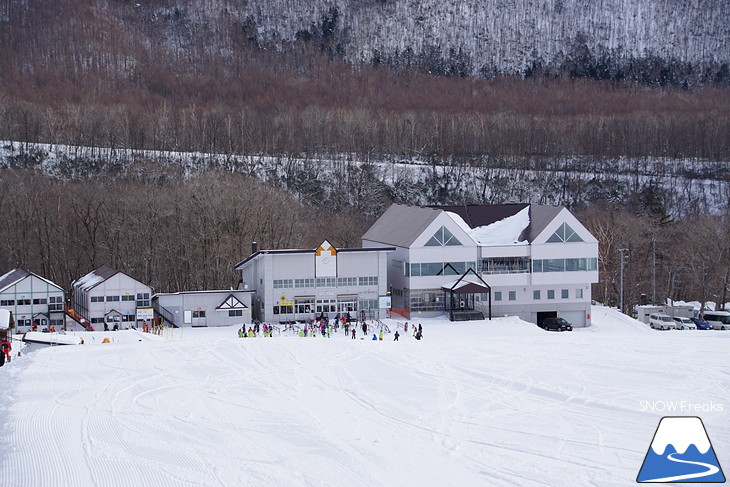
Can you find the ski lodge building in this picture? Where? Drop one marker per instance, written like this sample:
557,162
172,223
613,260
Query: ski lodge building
32,299
108,296
301,284
204,308
526,260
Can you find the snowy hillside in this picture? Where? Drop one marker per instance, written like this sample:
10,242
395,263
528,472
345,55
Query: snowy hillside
499,403
482,37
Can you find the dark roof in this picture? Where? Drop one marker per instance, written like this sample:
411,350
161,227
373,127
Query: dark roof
308,251
400,225
12,277
540,217
104,271
18,274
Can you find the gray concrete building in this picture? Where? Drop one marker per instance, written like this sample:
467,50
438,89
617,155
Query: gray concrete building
204,308
301,284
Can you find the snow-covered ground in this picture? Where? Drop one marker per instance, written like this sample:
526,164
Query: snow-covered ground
498,403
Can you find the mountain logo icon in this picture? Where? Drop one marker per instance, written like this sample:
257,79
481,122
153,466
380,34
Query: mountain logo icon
681,452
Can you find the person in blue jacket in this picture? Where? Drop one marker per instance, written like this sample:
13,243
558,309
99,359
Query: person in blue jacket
375,337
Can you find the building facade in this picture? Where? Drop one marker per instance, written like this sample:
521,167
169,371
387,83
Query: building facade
33,300
537,261
108,297
296,284
204,308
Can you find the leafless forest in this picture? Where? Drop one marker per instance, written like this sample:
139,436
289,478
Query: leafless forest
631,148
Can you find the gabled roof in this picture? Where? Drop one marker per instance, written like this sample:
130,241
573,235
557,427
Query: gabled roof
231,302
401,225
19,274
483,215
95,277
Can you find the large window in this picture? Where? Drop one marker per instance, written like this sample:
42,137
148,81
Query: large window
416,269
368,281
143,300
55,303
504,265
564,234
283,283
326,282
564,265
347,281
443,237
326,305
305,305
426,300
303,282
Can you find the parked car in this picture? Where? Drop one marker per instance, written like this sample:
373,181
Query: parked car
720,320
661,322
556,324
684,324
701,324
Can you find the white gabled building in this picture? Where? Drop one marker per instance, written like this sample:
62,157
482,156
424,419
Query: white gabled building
32,299
301,284
204,308
528,260
108,296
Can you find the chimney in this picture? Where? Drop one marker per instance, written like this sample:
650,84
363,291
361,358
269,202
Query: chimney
254,247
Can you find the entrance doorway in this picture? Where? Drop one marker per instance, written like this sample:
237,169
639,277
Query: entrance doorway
541,315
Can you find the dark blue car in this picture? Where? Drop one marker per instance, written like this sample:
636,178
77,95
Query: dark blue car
701,324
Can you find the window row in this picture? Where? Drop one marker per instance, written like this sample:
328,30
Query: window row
497,265
416,269
322,282
25,302
537,294
565,265
504,265
116,298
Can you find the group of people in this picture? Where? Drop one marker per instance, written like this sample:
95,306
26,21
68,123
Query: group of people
5,348
325,330
417,330
255,330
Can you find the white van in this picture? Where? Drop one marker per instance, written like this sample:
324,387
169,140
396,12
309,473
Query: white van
661,322
720,320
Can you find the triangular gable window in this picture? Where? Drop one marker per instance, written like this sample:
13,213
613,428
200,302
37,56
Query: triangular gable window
442,238
564,234
232,302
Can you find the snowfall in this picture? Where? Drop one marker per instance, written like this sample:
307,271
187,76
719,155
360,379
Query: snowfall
488,403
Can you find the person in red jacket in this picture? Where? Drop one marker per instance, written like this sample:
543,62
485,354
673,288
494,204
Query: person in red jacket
6,348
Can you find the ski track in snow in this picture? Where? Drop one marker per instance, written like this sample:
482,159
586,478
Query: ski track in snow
509,405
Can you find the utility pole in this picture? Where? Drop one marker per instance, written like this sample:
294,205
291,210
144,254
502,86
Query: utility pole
653,270
622,278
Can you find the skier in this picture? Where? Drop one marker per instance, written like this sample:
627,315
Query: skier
375,338
6,348
364,328
380,336
396,336
353,332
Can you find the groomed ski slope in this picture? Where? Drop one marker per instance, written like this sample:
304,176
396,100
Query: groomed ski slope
498,403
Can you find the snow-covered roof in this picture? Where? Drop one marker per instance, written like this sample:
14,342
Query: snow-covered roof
95,277
507,231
